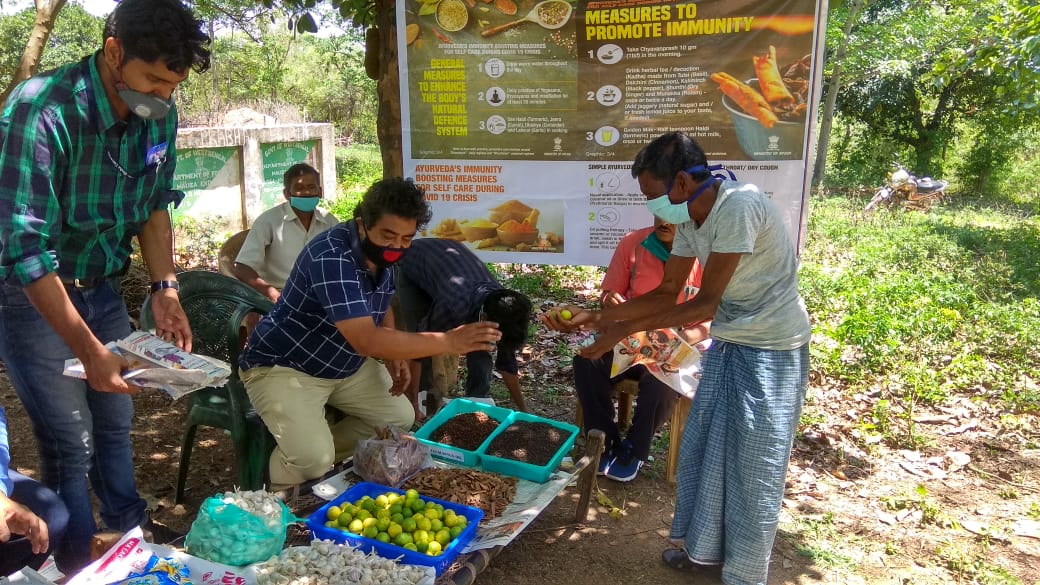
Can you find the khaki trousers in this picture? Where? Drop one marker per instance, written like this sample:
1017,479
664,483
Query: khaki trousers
292,405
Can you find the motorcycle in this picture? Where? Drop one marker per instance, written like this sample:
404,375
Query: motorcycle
909,192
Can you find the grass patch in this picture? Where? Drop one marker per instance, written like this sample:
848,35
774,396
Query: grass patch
357,167
967,561
819,540
925,305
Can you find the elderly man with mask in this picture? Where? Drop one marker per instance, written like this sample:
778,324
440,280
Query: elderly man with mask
737,441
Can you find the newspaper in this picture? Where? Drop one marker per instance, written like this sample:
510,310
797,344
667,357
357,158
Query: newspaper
155,363
132,554
531,498
665,354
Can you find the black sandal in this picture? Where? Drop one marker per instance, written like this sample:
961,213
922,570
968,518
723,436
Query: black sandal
677,559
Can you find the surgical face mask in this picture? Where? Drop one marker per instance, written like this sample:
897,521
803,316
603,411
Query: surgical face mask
677,213
381,256
304,204
664,209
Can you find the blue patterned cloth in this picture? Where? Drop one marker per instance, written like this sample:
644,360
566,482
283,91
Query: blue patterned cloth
734,455
330,282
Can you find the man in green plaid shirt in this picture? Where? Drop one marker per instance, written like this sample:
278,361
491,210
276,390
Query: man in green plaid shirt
86,163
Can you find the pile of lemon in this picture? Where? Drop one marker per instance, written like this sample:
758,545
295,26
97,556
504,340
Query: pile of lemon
405,520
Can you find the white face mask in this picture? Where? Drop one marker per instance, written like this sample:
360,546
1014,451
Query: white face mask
678,213
667,211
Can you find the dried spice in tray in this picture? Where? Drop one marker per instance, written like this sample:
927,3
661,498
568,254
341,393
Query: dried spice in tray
465,431
530,442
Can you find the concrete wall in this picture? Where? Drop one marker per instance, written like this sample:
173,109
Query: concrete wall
222,169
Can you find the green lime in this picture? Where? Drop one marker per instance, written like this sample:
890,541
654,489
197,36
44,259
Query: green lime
333,513
450,519
423,524
422,545
363,513
344,519
395,508
403,539
356,526
370,532
436,524
421,536
383,537
394,529
417,505
411,495
455,531
408,524
432,513
443,537
383,524
369,522
411,546
434,548
381,501
397,518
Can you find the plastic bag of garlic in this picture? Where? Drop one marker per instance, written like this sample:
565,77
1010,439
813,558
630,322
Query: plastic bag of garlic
239,528
327,563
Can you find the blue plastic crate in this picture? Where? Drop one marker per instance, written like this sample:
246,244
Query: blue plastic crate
458,406
520,469
316,523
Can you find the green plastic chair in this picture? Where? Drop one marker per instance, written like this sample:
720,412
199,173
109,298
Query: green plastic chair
216,305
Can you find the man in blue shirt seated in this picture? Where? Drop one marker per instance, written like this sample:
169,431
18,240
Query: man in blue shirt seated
442,284
319,344
32,517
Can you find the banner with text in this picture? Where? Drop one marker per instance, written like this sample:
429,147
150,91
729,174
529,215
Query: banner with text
277,157
211,179
521,118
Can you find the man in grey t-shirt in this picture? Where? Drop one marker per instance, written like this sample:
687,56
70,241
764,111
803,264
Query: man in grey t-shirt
737,440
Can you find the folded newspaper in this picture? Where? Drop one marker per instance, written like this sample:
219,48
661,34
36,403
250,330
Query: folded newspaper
665,354
155,363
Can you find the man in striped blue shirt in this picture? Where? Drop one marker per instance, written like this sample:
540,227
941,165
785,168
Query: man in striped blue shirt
86,163
320,344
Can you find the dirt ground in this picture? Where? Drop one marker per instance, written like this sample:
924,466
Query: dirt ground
964,507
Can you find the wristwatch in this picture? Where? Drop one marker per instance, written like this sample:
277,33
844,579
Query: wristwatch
162,284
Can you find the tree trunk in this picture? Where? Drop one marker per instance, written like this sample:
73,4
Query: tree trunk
388,90
833,85
215,100
46,15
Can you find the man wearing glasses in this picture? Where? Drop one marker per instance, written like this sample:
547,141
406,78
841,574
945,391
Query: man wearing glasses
86,163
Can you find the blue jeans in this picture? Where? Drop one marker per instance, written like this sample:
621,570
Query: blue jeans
17,552
80,432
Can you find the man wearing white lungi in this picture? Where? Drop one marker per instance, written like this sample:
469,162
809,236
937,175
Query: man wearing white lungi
738,438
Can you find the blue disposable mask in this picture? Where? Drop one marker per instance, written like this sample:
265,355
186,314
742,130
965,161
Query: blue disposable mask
678,213
304,204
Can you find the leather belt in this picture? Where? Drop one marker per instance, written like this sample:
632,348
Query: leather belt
84,282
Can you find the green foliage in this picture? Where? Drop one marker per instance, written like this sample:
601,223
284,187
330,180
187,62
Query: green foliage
357,167
910,83
328,82
925,305
547,281
76,33
197,243
294,77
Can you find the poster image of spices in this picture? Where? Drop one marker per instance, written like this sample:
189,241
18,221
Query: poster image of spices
505,225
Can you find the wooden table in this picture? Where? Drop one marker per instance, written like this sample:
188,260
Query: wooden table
466,567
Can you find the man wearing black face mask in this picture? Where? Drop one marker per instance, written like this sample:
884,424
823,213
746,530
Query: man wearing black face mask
318,346
86,164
